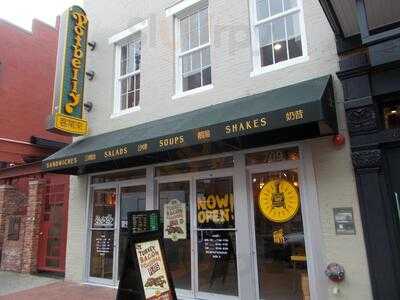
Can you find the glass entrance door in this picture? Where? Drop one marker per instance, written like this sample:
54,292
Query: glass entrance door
281,259
216,238
199,235
102,229
109,228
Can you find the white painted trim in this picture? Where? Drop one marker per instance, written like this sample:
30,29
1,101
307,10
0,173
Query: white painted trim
195,91
312,226
124,112
255,45
279,66
180,6
116,38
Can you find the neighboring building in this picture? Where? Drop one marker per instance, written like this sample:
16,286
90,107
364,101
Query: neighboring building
227,110
367,39
33,205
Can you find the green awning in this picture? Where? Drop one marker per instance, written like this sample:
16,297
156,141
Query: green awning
303,103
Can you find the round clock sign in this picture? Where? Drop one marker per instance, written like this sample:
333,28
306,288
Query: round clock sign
279,201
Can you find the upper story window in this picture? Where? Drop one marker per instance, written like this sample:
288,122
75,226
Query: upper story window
128,74
278,33
193,50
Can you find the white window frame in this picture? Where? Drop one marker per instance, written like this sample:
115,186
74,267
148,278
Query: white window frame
120,39
255,42
179,93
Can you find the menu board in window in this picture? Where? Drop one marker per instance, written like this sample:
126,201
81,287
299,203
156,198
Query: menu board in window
144,221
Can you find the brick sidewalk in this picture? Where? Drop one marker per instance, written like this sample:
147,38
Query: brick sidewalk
65,291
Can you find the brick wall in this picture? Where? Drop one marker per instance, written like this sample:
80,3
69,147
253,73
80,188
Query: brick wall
20,255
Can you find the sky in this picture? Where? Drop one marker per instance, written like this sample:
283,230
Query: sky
21,12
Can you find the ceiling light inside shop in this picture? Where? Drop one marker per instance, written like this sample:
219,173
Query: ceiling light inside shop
277,47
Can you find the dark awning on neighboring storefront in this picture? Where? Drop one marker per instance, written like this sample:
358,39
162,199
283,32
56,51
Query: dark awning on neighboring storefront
295,112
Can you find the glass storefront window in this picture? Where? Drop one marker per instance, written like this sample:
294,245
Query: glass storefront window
132,198
271,156
175,196
118,176
216,236
280,245
195,166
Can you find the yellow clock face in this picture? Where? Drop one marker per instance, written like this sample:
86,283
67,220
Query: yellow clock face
279,201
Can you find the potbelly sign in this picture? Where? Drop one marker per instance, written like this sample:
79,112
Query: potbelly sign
67,113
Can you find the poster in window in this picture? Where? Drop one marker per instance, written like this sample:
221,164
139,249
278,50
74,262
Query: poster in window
152,271
215,210
175,220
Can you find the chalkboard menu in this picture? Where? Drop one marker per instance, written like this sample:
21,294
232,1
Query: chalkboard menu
141,222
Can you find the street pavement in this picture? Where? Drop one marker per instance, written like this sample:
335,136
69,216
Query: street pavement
15,286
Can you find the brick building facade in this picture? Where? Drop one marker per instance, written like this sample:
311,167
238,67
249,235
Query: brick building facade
32,223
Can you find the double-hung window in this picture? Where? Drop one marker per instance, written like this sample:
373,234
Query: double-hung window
278,33
193,51
128,75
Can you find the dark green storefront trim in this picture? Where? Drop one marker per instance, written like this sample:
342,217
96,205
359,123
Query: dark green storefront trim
303,103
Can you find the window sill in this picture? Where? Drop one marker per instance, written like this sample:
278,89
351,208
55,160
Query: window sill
193,92
124,112
279,66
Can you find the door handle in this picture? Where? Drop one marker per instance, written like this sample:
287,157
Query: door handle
396,196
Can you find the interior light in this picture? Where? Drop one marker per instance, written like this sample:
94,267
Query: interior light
277,47
295,183
394,112
254,179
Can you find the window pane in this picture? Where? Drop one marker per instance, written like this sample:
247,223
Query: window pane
123,101
192,82
102,253
124,52
204,33
185,42
207,76
265,34
278,30
215,203
196,62
216,248
186,64
289,4
280,245
266,56
131,83
265,44
184,31
131,100
276,6
262,9
205,57
279,37
294,36
138,55
137,97
194,31
123,67
137,78
132,198
178,250
124,85
103,213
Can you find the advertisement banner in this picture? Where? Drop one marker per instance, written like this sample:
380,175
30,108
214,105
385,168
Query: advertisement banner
175,220
153,271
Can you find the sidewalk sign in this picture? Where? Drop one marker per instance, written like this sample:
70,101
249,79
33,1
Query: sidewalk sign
145,274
